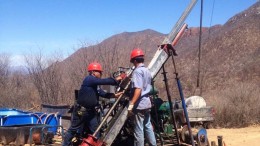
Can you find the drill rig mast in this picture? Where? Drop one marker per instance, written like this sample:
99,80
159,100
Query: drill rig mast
163,53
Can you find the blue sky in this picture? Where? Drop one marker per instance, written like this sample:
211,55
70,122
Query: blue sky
63,25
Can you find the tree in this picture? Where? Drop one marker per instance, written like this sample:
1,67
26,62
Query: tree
46,76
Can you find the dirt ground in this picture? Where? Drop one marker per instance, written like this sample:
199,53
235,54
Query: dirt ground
249,136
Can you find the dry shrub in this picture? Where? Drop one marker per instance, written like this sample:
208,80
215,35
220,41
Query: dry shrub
237,105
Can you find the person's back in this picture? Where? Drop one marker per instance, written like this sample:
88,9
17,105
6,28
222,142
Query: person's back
142,79
88,93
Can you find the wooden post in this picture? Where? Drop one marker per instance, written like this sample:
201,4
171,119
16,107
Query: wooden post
213,143
220,143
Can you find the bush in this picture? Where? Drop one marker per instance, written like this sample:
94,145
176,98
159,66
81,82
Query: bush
238,105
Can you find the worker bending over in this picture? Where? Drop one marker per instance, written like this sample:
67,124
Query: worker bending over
84,113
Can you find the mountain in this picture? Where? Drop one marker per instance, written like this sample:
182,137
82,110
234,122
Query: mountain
230,53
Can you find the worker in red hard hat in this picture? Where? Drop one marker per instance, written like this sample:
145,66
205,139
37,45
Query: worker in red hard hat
140,103
136,53
95,69
84,113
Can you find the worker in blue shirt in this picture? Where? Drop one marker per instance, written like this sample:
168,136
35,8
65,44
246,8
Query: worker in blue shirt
84,113
140,103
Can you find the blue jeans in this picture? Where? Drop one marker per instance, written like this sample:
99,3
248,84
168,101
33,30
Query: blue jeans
87,121
143,128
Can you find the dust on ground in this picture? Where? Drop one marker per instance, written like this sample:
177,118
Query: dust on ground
248,136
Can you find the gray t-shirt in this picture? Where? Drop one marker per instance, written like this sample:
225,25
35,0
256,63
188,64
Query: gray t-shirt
141,78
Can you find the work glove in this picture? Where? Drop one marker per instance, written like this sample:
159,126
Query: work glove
130,108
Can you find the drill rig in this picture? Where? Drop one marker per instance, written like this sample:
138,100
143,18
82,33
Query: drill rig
116,122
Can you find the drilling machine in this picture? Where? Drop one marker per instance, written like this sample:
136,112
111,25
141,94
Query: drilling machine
116,120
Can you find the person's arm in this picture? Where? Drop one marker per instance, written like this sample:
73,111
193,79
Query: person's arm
104,81
137,94
137,85
104,94
101,92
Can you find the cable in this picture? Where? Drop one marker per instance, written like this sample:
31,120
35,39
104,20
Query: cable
48,115
48,119
199,54
211,17
40,119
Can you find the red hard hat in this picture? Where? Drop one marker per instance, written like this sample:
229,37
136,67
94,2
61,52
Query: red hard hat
136,52
94,66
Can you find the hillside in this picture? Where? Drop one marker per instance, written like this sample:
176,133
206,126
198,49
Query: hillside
229,70
229,53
